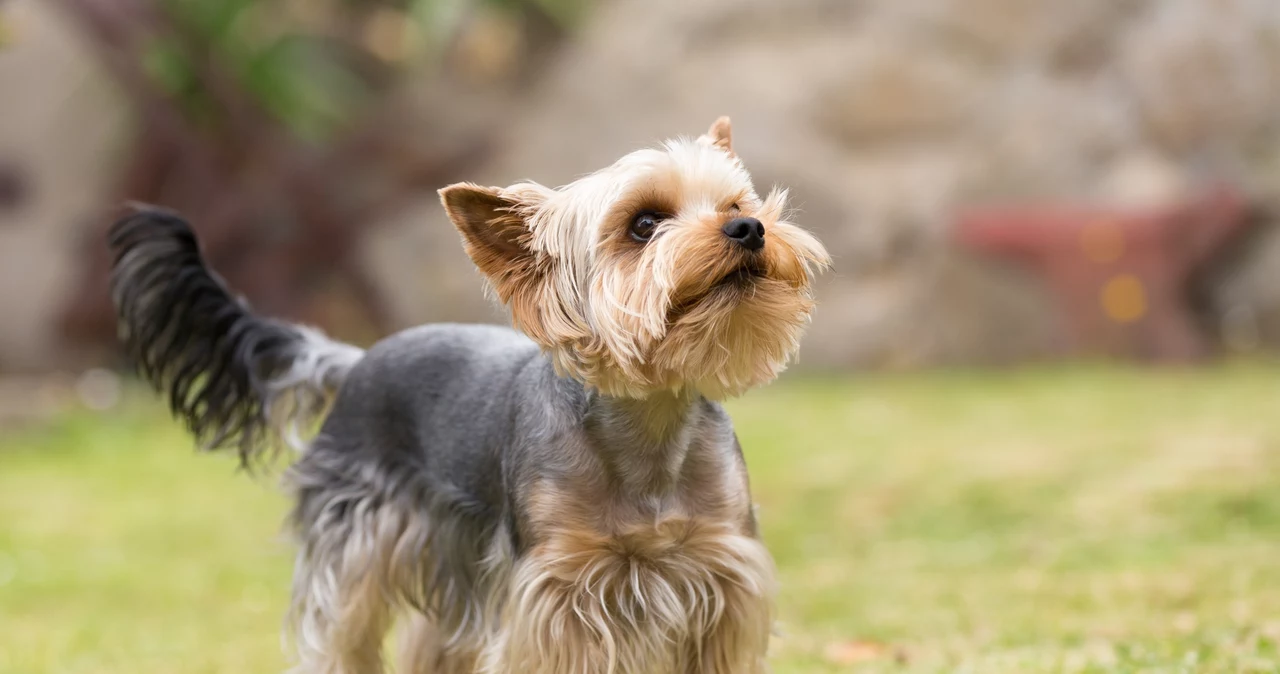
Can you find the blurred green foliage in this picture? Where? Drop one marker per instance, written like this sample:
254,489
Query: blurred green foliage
312,64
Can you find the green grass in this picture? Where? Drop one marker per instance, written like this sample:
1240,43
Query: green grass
1081,520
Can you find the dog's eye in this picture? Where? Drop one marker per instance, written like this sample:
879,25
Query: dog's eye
644,225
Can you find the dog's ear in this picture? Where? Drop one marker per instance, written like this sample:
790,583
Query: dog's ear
493,229
720,135
495,232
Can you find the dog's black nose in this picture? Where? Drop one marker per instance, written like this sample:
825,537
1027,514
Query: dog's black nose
746,232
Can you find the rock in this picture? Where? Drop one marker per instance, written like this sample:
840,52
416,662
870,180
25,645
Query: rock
1143,179
882,117
59,129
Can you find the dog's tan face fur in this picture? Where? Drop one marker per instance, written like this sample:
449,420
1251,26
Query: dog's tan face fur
686,309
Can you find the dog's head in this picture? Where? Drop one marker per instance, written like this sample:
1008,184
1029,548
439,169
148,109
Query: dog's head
664,271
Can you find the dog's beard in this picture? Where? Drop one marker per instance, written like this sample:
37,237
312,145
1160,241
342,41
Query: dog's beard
739,335
693,312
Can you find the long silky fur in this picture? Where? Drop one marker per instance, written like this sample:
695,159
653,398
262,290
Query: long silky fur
237,381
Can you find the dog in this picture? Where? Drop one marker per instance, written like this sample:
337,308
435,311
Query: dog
568,498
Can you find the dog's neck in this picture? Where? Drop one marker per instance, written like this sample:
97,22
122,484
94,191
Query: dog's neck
643,442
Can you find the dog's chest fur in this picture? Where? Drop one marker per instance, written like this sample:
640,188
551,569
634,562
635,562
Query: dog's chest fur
630,465
642,548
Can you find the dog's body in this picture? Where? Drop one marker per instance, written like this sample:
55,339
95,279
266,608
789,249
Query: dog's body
574,519
557,505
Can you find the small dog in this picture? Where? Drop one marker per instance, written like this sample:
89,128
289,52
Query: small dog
566,501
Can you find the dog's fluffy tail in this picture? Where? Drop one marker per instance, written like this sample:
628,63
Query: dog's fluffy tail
237,380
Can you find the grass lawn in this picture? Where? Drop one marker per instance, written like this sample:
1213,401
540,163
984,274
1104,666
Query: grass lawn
1066,520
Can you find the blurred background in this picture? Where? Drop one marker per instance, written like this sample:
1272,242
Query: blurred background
1038,183
998,180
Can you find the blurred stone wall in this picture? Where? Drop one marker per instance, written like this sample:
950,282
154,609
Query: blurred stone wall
60,128
883,116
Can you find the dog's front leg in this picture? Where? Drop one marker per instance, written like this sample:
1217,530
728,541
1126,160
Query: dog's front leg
546,626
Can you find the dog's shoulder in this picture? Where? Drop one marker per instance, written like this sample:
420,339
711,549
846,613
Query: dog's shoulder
461,336
455,360
457,343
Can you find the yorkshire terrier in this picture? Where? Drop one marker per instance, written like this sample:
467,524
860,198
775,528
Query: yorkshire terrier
570,500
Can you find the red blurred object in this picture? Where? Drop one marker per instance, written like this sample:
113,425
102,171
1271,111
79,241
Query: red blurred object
1121,277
